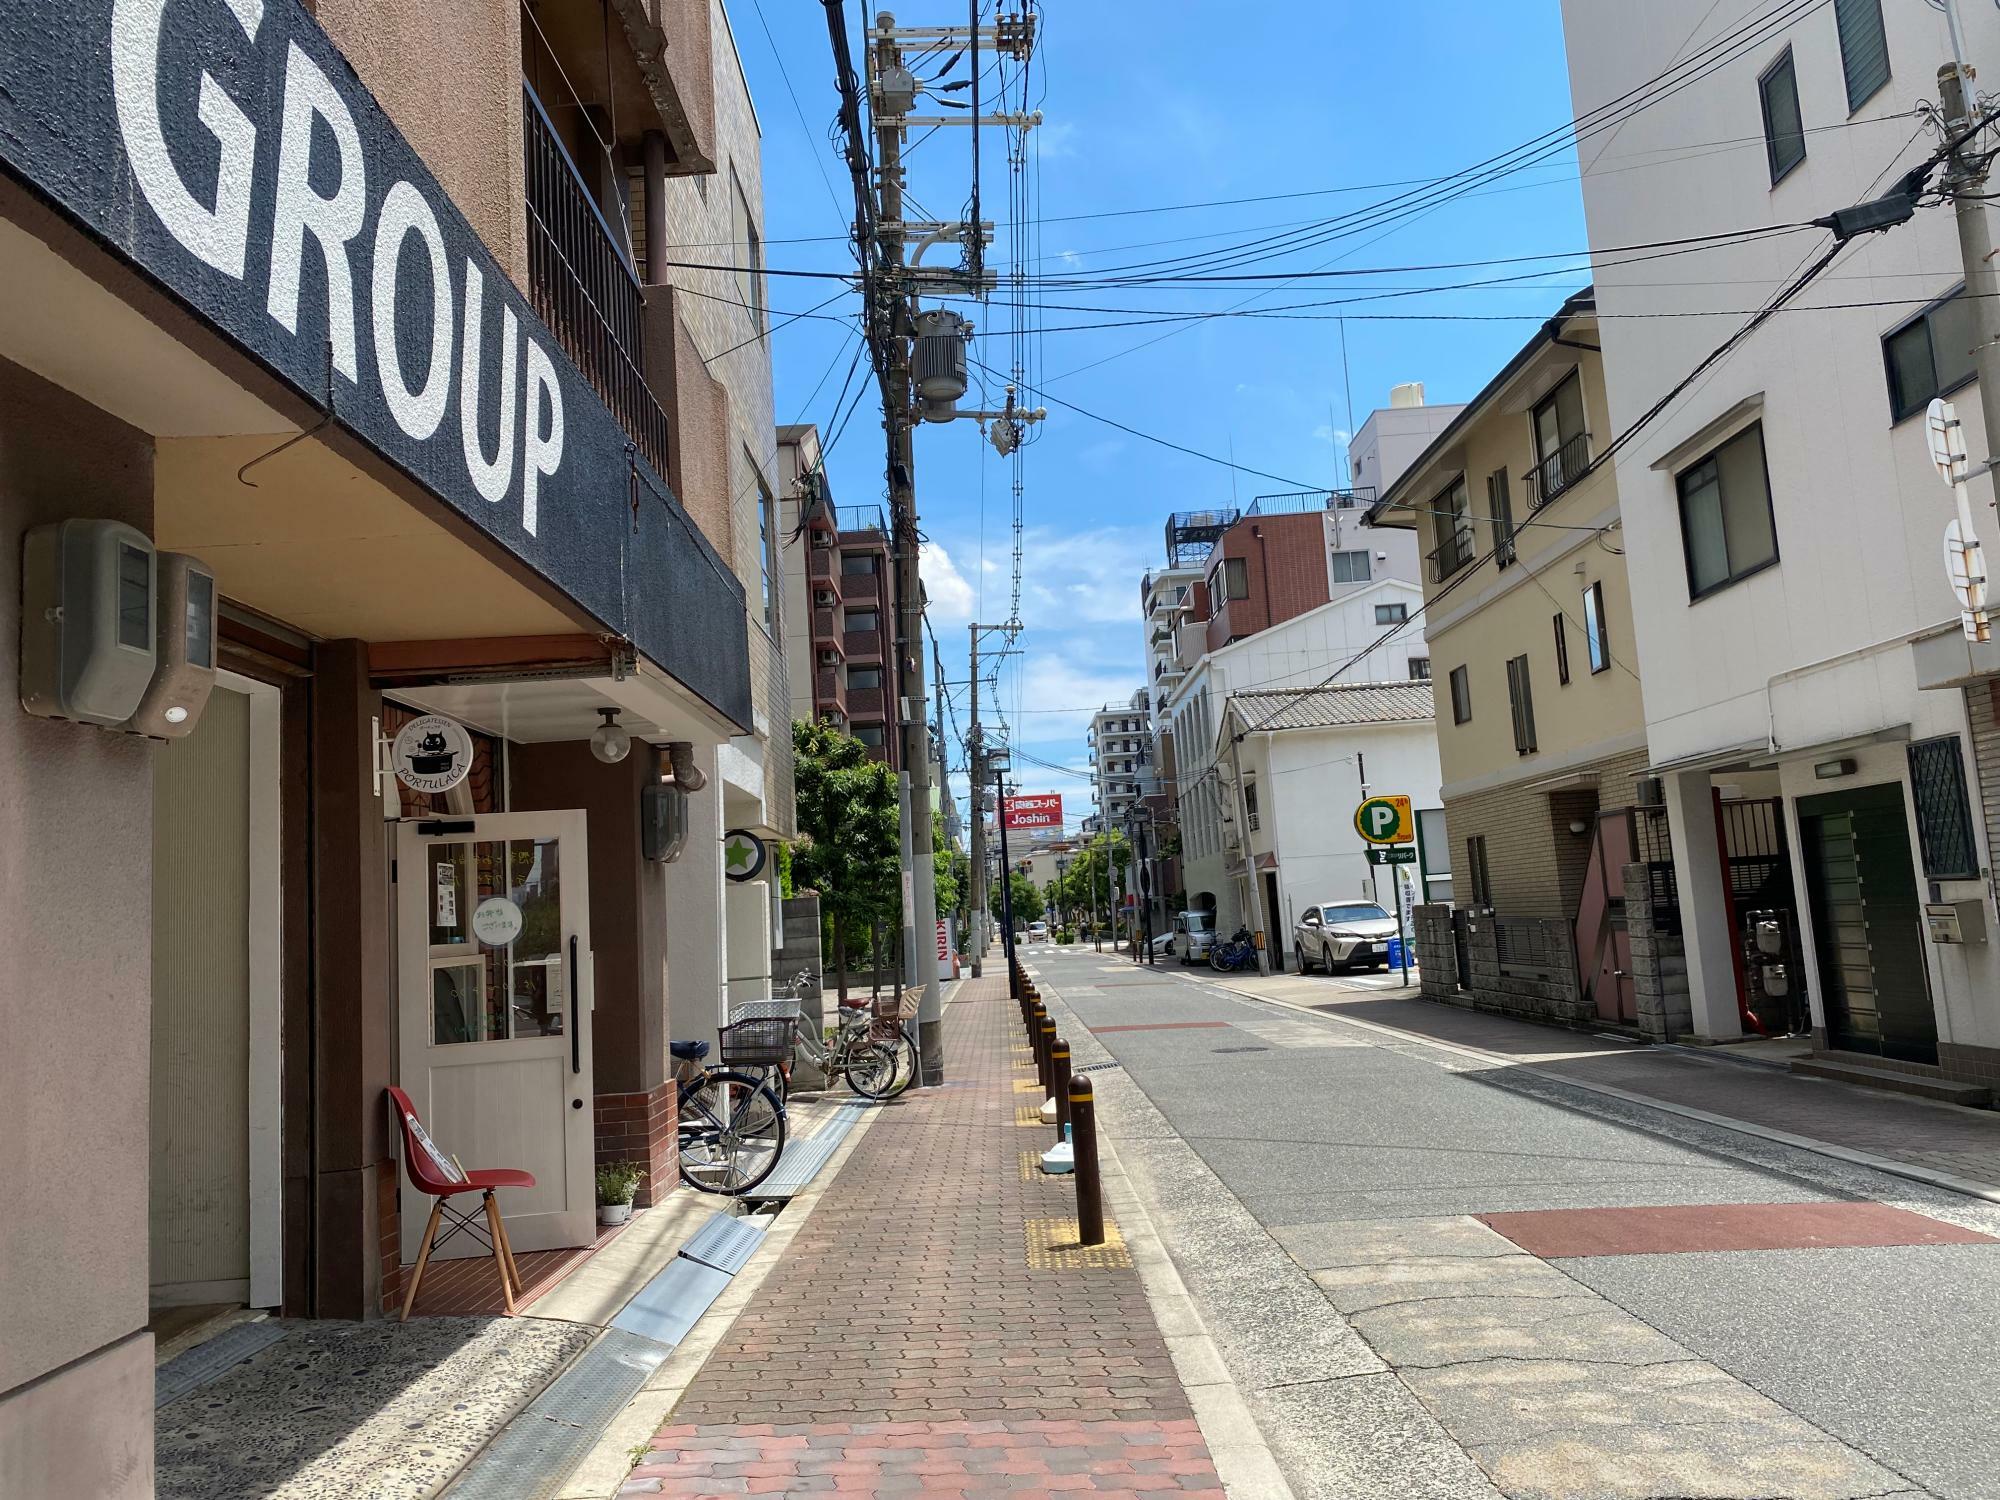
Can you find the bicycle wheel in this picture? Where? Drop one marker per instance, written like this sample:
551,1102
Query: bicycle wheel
908,1061
870,1070
732,1132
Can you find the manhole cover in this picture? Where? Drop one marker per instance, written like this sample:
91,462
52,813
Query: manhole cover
1239,1049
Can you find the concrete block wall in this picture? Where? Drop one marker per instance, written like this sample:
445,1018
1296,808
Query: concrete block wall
1659,965
1437,954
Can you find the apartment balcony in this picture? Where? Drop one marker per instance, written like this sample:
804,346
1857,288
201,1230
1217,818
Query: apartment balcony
861,588
829,692
1452,554
853,518
584,288
862,645
820,564
867,703
1560,470
825,627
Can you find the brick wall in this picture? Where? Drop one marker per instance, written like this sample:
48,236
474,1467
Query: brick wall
640,1127
1536,864
1437,954
1286,568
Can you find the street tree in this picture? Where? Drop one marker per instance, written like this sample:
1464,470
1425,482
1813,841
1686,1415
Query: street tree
1028,905
850,846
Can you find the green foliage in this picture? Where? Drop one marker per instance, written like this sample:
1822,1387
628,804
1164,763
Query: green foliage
785,872
618,1181
849,850
1095,876
1028,905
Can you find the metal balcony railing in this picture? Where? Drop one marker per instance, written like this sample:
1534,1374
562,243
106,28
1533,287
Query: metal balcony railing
1559,471
859,518
1453,553
584,288
1299,502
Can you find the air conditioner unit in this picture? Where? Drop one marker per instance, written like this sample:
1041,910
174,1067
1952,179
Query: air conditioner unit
829,658
826,598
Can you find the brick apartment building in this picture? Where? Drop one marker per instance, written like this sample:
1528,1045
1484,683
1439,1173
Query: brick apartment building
840,580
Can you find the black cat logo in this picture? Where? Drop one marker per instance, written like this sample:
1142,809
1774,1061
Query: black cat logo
434,755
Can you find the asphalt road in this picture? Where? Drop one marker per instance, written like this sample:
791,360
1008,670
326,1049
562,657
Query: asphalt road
1807,1329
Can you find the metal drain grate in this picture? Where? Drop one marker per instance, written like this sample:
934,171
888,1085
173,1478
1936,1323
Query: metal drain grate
194,1368
1239,1049
724,1242
534,1453
1094,1068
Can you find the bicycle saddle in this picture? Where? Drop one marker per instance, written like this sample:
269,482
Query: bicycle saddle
688,1051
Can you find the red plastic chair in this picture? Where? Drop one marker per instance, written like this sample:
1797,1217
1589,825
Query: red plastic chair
432,1172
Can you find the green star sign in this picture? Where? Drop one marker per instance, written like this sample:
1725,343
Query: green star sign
743,855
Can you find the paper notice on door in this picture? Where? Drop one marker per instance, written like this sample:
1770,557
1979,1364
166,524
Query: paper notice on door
447,895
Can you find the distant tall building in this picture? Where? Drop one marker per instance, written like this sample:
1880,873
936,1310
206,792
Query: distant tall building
842,586
1121,748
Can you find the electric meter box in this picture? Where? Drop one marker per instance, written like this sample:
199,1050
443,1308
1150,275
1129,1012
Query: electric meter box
185,650
663,822
88,611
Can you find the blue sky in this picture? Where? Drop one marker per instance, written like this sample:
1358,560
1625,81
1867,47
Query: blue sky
1171,104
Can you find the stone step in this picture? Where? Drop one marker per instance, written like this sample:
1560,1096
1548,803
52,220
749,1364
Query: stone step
1944,1090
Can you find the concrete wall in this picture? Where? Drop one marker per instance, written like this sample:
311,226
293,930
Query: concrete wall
76,839
1308,785
1389,441
450,78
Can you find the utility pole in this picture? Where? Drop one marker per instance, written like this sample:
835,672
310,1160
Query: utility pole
976,778
1965,181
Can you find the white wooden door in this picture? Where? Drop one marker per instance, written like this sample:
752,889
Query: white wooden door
494,992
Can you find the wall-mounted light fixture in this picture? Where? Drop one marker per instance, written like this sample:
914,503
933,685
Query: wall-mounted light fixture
1833,770
609,742
1578,827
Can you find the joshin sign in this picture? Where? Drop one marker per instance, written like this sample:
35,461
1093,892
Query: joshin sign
1034,812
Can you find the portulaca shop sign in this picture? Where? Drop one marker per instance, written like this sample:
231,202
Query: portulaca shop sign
227,148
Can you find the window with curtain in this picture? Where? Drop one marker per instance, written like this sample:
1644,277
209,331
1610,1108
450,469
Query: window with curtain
1350,567
1420,669
1235,578
1461,696
1727,528
1500,506
1391,614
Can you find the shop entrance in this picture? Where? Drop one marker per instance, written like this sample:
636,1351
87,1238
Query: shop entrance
215,1173
1867,929
494,987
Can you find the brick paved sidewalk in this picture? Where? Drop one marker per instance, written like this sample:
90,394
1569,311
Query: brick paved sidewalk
933,1331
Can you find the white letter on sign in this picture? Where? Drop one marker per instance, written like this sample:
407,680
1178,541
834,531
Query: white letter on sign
216,236
416,412
542,450
332,221
490,479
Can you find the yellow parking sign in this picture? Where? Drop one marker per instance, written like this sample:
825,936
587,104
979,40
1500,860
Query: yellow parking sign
1385,820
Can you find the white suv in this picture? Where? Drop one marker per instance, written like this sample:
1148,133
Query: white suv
1343,934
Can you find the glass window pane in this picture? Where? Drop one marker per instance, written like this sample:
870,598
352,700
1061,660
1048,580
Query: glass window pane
1911,378
1746,503
1952,338
537,975
461,1007
1569,409
1783,130
1701,522
1593,627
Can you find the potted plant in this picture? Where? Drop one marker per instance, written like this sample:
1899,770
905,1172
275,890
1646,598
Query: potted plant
617,1183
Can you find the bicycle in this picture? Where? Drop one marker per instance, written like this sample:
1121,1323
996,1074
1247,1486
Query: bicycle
1238,953
875,1055
732,1124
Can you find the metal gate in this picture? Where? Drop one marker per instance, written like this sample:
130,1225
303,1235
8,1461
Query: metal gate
1603,941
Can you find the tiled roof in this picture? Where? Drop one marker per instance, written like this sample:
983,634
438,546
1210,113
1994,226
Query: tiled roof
1344,703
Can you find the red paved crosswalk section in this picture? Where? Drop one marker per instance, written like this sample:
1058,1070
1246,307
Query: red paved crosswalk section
1559,1232
905,1346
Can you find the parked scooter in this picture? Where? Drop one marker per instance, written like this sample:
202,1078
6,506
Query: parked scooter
1238,953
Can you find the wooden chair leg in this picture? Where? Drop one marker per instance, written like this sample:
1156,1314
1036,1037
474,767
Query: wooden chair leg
500,1252
423,1257
507,1246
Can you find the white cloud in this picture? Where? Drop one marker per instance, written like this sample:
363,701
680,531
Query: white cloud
1054,139
951,597
1326,432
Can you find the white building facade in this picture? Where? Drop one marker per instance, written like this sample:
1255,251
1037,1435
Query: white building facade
1795,632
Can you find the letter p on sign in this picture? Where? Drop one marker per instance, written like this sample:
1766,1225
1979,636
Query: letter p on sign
1385,820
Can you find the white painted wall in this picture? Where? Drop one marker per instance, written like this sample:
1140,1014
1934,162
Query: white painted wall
1308,785
1814,650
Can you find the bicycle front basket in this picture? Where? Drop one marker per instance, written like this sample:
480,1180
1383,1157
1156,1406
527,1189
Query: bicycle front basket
763,1043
